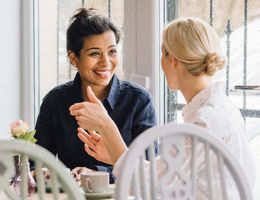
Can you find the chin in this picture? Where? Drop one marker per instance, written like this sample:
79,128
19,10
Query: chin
103,83
173,87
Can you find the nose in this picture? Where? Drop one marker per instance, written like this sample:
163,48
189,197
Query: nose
105,60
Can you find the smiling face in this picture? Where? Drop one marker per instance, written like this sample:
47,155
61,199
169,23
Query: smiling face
98,59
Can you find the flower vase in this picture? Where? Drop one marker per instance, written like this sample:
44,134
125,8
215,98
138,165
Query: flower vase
17,183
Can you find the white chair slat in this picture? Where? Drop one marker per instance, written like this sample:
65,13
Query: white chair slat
222,176
11,194
54,185
193,165
135,184
24,175
209,171
144,185
40,179
153,174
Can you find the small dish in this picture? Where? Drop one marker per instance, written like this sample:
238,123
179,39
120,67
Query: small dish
108,194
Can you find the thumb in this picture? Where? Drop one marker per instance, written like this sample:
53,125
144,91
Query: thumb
92,97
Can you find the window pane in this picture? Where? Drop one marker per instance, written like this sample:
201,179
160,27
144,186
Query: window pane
243,51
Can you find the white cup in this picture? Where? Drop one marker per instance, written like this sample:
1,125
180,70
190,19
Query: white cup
95,182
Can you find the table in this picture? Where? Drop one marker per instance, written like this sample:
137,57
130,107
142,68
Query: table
47,197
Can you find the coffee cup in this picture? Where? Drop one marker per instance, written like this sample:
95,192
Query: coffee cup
95,182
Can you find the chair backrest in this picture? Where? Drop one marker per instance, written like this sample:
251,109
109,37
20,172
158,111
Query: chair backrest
59,177
193,164
253,131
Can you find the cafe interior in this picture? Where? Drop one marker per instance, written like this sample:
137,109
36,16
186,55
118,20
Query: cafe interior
99,99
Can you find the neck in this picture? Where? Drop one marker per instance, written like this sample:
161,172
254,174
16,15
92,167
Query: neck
193,85
100,92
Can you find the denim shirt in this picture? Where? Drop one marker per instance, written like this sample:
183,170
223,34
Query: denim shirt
129,105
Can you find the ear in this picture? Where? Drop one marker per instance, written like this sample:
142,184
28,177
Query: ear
73,58
173,61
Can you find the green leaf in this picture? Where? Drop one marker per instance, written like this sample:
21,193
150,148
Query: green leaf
29,136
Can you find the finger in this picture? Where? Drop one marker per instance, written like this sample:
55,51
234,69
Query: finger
76,170
78,176
90,152
90,144
91,139
92,97
85,169
87,140
83,132
85,137
95,135
74,175
82,137
77,112
75,106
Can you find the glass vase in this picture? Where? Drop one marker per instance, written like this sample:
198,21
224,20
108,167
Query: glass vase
17,183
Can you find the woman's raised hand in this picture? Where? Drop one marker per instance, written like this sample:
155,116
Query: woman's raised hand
90,115
93,116
94,145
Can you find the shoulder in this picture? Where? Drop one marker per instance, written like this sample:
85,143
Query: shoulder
219,115
58,92
129,88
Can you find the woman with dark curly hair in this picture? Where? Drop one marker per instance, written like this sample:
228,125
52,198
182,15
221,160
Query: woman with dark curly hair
92,42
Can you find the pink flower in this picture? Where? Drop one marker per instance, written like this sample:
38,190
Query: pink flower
18,128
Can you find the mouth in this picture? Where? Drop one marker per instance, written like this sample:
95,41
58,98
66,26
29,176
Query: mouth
102,73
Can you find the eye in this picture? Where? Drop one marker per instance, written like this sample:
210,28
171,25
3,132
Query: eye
113,51
95,53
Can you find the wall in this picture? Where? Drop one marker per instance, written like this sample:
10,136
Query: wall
10,54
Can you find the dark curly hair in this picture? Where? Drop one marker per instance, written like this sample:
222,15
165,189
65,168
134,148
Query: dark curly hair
84,23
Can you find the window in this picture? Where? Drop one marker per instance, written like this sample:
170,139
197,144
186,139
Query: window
242,52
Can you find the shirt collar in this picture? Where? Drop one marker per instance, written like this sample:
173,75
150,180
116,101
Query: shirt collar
215,90
77,86
113,94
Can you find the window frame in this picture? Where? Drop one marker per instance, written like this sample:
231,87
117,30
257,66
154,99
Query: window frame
30,62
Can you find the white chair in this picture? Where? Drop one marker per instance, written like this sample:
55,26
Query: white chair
179,182
58,174
253,131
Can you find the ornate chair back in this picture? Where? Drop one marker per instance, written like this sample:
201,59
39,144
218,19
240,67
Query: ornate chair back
60,179
192,164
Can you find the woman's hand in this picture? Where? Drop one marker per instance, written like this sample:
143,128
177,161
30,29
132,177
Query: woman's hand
94,145
90,115
93,116
80,170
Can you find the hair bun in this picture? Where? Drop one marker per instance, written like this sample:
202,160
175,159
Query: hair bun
213,63
83,14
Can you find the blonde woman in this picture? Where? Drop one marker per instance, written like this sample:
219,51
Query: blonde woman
190,57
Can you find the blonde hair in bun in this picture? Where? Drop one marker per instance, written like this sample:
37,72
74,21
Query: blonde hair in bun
213,63
194,43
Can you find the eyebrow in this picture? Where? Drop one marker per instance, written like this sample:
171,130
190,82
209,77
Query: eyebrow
96,48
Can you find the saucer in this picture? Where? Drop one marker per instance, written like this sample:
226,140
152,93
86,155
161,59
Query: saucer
108,194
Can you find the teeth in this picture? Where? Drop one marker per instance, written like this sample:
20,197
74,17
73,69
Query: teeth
103,72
